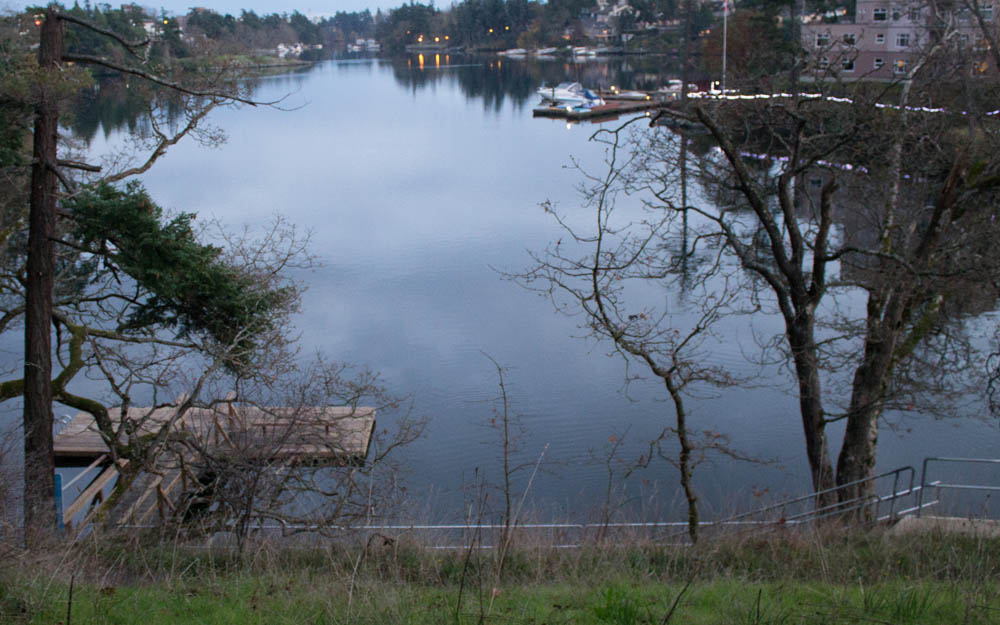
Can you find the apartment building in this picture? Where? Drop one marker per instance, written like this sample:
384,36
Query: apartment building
885,38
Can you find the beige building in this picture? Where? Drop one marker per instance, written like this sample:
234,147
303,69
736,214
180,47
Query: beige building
885,38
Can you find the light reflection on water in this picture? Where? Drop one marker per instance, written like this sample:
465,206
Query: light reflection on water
417,189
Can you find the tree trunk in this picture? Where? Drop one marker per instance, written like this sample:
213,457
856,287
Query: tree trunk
684,459
39,462
811,409
856,463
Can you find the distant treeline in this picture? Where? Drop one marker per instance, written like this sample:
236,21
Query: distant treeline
203,31
500,24
483,24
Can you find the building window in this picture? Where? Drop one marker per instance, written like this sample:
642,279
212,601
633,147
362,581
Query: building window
824,62
849,39
899,67
816,182
879,62
848,64
915,14
880,14
897,13
903,40
879,37
822,40
986,10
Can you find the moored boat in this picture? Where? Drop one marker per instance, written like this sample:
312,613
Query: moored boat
626,94
570,94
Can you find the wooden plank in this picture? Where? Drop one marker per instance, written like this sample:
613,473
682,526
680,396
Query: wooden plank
130,514
324,432
100,459
91,491
222,433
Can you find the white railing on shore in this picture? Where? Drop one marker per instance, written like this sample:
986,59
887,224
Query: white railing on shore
798,511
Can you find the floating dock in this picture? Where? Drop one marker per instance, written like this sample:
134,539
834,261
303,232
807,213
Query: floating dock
609,110
306,435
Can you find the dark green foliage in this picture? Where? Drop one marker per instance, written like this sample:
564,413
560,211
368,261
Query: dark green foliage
404,25
184,284
353,25
15,90
473,20
125,22
307,32
128,23
212,24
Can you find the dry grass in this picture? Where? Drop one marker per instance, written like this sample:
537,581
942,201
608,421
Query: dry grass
788,577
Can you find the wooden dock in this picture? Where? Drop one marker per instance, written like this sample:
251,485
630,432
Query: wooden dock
309,435
610,110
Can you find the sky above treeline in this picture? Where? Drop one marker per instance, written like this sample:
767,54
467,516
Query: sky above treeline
181,7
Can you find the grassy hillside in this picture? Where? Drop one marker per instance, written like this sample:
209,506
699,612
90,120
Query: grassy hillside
857,577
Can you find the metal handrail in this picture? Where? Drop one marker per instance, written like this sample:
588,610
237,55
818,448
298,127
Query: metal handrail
837,507
900,489
939,485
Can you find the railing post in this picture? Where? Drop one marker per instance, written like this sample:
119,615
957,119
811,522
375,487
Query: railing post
892,500
59,503
923,485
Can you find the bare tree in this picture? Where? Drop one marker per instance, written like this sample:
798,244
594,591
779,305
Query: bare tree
604,270
885,192
509,428
288,455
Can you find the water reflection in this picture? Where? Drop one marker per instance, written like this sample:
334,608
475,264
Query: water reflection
110,105
496,79
121,104
118,104
417,184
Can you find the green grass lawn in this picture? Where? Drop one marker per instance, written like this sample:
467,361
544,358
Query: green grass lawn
869,578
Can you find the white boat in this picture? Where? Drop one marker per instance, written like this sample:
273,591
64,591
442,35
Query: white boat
625,94
514,52
584,51
570,94
675,85
545,51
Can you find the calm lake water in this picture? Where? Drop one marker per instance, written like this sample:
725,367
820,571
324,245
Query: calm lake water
420,185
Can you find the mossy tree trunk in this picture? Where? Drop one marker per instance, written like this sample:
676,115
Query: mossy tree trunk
39,463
